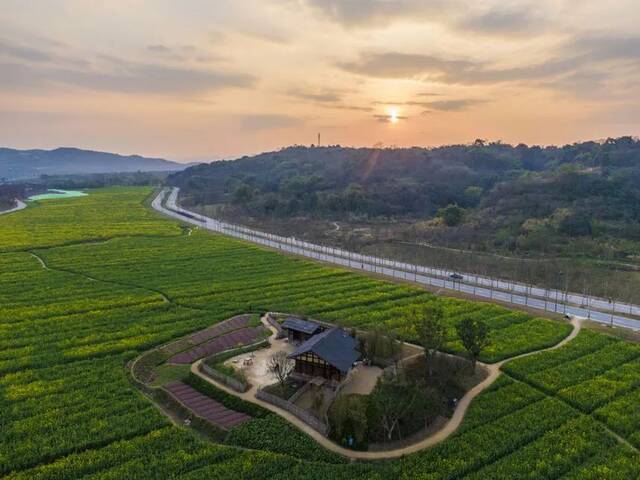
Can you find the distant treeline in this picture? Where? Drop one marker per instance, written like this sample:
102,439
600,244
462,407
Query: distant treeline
22,189
98,180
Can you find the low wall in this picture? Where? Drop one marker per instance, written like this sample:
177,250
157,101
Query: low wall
234,352
231,382
171,406
274,323
303,415
301,391
332,384
171,403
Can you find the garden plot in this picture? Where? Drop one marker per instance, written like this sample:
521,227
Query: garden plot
237,338
205,407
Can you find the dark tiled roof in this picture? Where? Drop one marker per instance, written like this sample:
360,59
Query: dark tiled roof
299,325
334,346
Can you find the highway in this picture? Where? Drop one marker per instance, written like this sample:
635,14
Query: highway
596,309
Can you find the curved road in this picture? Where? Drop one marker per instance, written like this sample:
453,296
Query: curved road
483,288
19,206
447,430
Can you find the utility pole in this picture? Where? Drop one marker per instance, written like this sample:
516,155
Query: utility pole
318,139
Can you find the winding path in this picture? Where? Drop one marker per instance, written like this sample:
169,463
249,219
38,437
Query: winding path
19,206
447,430
44,265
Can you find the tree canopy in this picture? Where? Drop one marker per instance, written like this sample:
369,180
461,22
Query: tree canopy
493,196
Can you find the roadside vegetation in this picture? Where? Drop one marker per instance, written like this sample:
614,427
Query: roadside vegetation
67,409
488,208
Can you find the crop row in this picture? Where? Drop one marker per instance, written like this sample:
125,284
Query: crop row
27,442
623,416
585,367
95,323
102,214
482,446
67,410
553,454
124,456
602,389
286,296
273,282
122,332
617,463
585,343
133,259
504,397
595,373
273,433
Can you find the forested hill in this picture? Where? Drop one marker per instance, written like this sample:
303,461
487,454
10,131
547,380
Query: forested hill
417,181
484,192
27,164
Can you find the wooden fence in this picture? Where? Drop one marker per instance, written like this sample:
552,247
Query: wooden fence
298,412
237,385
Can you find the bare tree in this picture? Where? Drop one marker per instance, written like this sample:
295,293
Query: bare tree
280,366
395,401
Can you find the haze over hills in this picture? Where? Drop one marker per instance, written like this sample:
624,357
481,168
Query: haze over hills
27,164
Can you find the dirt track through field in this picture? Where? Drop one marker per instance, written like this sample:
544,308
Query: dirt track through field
44,265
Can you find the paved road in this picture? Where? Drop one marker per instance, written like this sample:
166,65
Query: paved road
19,206
598,310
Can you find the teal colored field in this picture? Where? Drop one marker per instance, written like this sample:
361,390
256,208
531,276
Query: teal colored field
56,194
88,285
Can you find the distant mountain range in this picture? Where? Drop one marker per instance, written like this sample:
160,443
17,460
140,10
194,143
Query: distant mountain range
28,164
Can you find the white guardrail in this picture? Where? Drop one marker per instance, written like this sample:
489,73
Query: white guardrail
550,300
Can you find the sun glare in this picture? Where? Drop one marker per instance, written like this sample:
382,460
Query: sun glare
393,116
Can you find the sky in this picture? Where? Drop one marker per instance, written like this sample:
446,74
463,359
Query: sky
204,80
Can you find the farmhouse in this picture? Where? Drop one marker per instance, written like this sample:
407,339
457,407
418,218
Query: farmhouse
329,354
299,330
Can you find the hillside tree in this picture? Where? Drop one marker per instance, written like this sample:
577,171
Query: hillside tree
280,366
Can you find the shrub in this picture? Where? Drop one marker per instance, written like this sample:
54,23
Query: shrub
275,434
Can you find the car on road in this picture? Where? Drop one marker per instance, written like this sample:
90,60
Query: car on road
456,276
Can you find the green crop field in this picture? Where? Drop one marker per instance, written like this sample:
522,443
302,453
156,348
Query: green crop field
87,284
